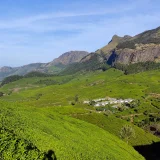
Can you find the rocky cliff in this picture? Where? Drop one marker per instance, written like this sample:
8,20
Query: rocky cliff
143,47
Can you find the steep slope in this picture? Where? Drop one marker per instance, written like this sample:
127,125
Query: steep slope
44,130
112,83
121,52
113,44
90,62
140,48
69,58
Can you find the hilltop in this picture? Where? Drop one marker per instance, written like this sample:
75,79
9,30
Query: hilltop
68,58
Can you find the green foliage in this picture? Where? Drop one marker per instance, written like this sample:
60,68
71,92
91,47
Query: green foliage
143,38
36,74
1,94
127,132
113,125
47,82
48,111
96,62
76,98
30,132
104,67
11,79
13,147
134,104
137,67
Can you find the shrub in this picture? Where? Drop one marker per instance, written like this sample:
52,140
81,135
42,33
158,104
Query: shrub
127,132
11,79
1,94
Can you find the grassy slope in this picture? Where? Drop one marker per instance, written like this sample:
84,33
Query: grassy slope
68,137
114,125
111,83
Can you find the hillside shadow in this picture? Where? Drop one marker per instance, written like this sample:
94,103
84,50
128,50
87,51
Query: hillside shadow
112,58
50,155
150,152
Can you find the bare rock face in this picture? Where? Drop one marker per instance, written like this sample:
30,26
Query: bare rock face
143,47
92,56
142,53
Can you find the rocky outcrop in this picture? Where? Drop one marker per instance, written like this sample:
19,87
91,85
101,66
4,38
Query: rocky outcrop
99,58
112,44
142,53
144,47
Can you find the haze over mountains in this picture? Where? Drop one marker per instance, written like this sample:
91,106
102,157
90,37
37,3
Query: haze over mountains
51,67
144,47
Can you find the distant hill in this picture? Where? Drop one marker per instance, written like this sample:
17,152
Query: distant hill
53,67
69,58
8,71
130,54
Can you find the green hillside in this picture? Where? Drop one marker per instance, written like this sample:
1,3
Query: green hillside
51,106
29,132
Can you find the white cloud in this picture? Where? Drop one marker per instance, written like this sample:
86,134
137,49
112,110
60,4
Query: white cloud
29,39
35,22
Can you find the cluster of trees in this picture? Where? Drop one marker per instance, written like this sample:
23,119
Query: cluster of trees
151,119
133,104
47,82
93,64
138,67
131,44
1,94
37,74
144,38
11,79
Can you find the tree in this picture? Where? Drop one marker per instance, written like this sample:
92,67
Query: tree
76,98
1,94
127,132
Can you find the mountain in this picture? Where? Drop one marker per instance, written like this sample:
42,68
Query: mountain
120,52
125,53
69,58
52,67
8,71
143,47
113,44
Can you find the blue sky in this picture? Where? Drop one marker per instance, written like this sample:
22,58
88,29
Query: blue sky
41,30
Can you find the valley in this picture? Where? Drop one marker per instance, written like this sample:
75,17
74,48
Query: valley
84,106
67,100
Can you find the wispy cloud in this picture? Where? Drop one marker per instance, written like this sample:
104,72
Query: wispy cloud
31,22
42,37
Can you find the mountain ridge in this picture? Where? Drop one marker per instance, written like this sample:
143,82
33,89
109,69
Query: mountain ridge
59,63
143,47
